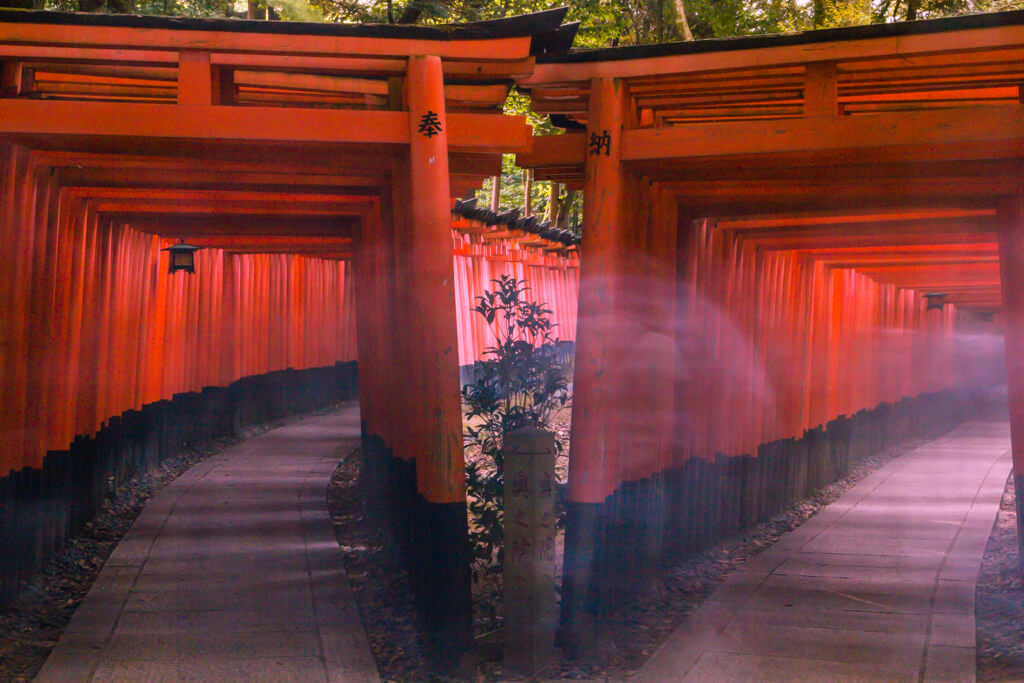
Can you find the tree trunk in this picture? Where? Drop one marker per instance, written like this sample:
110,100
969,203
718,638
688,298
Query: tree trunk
527,187
684,25
496,193
553,205
912,6
819,13
564,206
412,12
252,10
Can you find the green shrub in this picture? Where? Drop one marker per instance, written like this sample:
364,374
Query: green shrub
519,383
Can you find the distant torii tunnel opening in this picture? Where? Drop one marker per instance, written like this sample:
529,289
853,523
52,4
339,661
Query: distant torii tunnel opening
768,224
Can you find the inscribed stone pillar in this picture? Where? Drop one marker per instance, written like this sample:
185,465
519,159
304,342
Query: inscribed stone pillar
530,611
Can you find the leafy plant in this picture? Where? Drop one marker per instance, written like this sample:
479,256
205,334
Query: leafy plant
519,383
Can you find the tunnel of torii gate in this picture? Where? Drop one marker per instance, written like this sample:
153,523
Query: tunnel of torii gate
768,222
286,150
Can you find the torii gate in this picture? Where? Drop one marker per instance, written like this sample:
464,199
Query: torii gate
763,218
254,137
791,192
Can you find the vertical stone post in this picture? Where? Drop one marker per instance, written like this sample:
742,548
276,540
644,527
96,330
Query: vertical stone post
530,611
593,461
441,557
1011,270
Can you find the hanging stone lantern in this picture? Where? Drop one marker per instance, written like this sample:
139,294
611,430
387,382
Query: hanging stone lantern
183,257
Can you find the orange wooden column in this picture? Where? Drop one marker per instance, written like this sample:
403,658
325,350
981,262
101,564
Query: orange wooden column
441,562
374,303
592,460
1011,269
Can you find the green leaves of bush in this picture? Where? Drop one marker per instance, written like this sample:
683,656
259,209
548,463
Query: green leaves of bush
519,383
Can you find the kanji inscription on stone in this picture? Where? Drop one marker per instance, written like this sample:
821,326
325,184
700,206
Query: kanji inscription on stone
530,607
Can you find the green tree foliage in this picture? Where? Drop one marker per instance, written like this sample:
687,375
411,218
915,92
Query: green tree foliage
287,10
906,10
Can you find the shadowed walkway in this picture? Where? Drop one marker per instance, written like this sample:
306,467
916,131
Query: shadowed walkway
231,573
878,586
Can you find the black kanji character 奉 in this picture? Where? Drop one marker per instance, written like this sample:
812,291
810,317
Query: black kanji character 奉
599,142
430,125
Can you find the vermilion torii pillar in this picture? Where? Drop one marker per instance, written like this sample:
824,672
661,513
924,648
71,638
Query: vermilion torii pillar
441,559
1011,269
592,452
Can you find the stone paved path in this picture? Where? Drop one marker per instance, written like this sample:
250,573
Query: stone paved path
231,573
879,586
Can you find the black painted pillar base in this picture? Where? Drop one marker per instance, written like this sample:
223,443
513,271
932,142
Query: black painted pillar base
1018,488
441,579
433,541
40,509
580,601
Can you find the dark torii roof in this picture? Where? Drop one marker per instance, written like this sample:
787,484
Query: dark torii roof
896,29
510,218
549,35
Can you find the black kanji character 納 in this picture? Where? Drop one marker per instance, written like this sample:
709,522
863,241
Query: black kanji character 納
599,142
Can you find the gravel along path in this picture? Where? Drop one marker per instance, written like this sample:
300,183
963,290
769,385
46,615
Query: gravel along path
999,600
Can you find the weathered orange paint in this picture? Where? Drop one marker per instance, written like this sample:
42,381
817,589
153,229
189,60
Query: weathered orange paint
592,460
431,294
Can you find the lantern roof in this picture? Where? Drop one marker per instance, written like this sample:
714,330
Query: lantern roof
182,245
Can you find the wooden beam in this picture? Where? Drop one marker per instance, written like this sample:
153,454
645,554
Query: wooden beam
883,136
476,132
99,55
369,65
869,217
555,150
498,49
